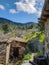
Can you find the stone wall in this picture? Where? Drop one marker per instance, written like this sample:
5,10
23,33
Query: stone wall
2,54
47,37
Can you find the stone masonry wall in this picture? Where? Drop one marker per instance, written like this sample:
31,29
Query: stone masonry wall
2,54
47,37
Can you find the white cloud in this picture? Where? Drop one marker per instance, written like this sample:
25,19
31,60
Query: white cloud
2,7
13,11
39,13
30,6
26,6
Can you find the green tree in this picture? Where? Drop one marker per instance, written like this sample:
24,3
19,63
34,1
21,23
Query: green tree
33,38
5,28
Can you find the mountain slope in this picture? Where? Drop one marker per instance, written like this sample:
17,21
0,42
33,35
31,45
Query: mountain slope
14,26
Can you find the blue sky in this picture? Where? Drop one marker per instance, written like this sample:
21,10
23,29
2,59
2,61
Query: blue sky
21,11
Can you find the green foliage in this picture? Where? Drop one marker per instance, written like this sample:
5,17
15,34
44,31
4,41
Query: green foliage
27,57
34,36
42,27
5,28
42,37
39,53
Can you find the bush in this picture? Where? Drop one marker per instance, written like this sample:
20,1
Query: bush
39,53
27,57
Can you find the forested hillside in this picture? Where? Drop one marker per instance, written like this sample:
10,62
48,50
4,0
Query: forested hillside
8,25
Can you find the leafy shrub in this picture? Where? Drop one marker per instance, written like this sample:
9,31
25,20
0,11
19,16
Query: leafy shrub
27,57
39,53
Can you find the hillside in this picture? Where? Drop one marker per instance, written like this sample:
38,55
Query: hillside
13,26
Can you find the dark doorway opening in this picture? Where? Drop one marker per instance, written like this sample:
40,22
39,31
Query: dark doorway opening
16,52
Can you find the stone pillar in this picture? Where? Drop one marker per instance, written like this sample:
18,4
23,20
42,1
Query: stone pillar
7,53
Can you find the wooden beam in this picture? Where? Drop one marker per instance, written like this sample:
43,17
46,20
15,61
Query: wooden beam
46,16
47,10
42,18
42,22
45,13
7,53
47,7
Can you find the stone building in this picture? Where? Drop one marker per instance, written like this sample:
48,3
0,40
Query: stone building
44,20
11,47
